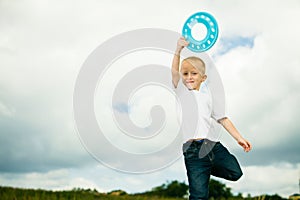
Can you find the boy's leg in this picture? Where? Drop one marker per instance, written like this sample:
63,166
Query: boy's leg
225,165
198,172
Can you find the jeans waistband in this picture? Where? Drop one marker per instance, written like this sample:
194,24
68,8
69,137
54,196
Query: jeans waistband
198,143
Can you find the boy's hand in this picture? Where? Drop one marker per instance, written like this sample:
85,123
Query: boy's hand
245,144
181,43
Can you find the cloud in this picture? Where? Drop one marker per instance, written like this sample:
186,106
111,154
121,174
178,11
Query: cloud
28,148
6,111
122,107
263,102
259,180
37,128
61,179
261,84
228,44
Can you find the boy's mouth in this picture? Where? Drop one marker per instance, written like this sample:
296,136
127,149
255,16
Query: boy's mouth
190,81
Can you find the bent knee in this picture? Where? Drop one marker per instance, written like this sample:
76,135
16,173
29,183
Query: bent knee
236,176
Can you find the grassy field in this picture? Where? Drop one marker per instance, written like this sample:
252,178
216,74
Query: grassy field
10,193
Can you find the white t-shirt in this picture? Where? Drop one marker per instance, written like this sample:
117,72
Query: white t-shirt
198,115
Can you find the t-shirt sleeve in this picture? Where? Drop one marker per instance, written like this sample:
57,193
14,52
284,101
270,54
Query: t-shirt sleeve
219,118
218,108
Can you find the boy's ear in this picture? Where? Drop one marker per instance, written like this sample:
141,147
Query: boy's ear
204,77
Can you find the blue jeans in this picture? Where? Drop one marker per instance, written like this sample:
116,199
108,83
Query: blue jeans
206,158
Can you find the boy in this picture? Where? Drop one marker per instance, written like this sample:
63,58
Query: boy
216,160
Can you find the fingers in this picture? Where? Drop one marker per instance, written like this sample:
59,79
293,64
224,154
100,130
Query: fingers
249,145
182,42
247,149
246,145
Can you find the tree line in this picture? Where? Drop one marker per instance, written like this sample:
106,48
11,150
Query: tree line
171,190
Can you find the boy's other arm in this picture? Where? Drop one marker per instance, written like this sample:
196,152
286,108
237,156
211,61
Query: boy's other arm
181,43
230,128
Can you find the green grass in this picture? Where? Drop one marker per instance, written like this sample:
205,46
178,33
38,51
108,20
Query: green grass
10,193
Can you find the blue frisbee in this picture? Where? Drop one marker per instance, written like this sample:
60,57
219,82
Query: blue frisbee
209,40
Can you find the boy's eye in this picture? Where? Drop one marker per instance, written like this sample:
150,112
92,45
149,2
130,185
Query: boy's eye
185,73
194,73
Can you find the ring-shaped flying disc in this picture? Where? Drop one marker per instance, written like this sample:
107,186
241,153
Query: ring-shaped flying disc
212,31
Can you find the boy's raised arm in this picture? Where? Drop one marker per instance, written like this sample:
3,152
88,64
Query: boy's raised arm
181,43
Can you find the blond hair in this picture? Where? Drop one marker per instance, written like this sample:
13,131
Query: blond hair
196,62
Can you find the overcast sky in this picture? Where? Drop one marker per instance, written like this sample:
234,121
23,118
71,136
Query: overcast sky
43,45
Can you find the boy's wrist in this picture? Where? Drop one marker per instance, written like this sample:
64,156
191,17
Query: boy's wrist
177,52
239,139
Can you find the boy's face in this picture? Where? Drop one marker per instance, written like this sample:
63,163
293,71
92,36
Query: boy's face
191,76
